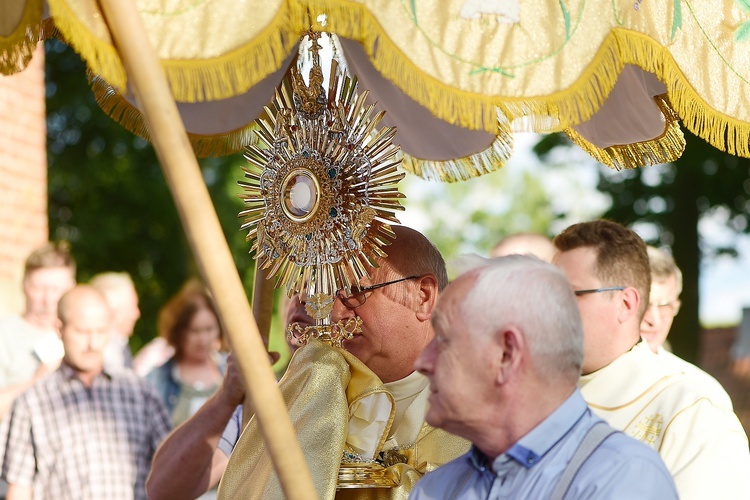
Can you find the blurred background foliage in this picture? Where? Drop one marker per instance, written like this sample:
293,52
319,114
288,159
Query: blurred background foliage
108,196
667,204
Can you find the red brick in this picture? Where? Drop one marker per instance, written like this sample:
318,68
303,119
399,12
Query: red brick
23,176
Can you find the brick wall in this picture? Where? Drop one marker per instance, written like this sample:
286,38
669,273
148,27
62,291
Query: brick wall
23,176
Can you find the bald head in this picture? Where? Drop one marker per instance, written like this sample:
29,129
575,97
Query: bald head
395,314
535,244
412,254
85,322
79,298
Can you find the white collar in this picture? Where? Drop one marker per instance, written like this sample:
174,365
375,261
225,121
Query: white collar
408,386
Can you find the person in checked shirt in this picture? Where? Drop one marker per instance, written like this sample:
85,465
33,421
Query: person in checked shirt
82,432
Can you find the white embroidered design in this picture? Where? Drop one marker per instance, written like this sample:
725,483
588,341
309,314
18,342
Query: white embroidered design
505,11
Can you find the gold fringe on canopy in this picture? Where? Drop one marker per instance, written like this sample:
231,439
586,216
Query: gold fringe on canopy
101,57
461,169
571,106
722,131
582,99
354,21
123,112
551,63
663,149
18,43
235,72
191,80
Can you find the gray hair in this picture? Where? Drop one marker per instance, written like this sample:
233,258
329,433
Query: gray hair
536,297
663,267
112,284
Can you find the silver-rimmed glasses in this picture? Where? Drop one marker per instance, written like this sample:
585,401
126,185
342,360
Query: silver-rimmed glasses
598,290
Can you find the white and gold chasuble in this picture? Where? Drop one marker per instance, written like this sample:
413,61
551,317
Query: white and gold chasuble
700,440
335,402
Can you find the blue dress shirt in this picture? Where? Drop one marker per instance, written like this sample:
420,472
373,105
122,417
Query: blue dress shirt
620,468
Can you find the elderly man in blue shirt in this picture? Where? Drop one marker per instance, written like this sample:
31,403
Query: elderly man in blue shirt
503,369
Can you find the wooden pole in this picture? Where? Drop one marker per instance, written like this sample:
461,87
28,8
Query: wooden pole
263,301
262,310
207,241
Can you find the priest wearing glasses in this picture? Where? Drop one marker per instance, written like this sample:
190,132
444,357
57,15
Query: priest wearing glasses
358,411
701,442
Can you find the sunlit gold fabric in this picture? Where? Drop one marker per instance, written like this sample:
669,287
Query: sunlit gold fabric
319,386
209,49
314,391
433,448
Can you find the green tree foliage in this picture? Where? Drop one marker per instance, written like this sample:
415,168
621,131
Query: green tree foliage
472,216
666,204
524,196
109,198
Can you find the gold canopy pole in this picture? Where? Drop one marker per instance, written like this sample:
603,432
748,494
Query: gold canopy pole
207,241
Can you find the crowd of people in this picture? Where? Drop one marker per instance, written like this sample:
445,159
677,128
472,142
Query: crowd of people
542,371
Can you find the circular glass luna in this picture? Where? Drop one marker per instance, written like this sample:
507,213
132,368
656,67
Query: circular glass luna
300,195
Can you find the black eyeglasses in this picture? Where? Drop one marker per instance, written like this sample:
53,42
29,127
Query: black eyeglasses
597,290
357,296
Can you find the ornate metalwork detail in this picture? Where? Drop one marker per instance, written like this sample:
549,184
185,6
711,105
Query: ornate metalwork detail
332,334
321,188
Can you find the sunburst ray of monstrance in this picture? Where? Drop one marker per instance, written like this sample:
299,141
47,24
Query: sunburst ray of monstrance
321,189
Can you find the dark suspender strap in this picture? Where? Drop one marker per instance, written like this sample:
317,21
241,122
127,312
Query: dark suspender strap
591,441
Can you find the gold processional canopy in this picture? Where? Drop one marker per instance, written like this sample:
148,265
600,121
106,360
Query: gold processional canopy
615,76
457,77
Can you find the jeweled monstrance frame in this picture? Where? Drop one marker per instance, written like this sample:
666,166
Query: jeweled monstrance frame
320,191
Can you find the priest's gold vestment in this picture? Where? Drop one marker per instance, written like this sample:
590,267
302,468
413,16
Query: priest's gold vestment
319,388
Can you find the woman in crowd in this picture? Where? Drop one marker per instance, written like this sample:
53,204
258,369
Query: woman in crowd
191,326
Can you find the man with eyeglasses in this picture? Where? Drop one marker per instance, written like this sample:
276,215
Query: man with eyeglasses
666,285
703,445
364,405
395,305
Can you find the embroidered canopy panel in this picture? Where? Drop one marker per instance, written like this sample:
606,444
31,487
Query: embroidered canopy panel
456,76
